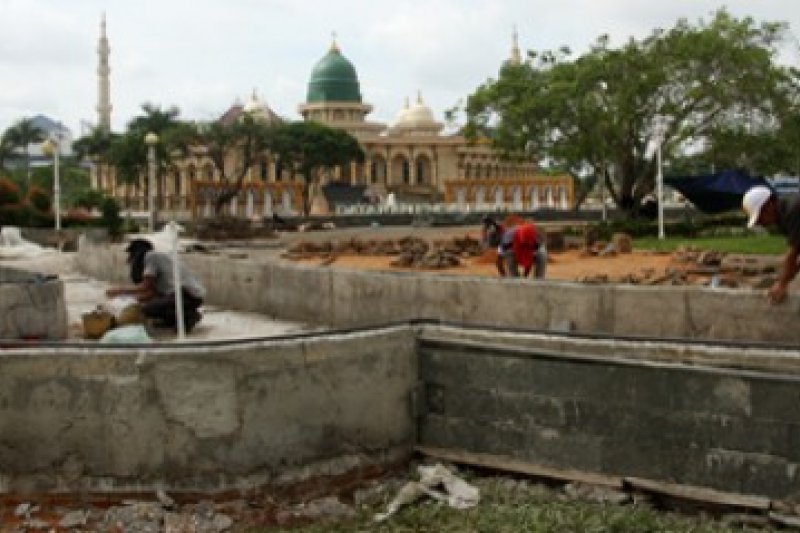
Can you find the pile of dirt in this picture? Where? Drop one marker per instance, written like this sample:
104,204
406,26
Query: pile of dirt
411,252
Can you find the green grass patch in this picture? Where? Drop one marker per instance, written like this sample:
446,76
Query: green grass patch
743,244
520,507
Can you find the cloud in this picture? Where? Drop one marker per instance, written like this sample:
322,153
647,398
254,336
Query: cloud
202,54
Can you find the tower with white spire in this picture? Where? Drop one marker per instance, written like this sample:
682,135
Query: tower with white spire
103,80
516,56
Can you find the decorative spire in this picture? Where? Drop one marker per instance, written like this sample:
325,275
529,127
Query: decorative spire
419,98
103,80
334,46
516,56
408,104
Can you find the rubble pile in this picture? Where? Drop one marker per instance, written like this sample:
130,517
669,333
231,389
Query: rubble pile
411,252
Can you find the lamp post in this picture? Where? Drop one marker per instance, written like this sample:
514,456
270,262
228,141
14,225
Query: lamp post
603,86
52,146
659,131
151,140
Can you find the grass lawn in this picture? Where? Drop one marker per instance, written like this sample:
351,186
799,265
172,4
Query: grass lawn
744,244
520,508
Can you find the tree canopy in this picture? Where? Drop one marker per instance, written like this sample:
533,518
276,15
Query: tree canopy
234,148
309,147
715,87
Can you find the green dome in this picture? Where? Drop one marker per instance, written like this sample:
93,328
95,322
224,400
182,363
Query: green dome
333,79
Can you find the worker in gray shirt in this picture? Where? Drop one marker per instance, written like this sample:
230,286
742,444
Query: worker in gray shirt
152,273
764,208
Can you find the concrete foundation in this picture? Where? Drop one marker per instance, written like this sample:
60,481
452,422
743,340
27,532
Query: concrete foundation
349,298
239,415
31,306
189,417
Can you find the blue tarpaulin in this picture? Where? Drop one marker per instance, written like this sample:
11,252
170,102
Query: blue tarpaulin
715,193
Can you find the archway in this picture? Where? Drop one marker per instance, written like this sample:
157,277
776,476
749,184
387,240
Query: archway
400,170
424,170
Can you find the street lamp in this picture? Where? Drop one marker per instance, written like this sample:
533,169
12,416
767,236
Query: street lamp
151,140
52,146
659,132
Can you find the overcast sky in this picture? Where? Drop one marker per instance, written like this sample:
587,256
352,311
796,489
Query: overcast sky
201,55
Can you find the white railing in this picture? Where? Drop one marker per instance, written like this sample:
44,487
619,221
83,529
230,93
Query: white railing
429,208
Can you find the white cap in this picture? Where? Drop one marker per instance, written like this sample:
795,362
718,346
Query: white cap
753,201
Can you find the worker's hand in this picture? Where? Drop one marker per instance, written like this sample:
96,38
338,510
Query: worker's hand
777,293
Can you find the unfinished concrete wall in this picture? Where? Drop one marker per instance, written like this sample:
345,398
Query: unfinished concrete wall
350,298
598,411
31,306
227,416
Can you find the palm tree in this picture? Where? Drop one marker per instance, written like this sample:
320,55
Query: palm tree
6,151
21,135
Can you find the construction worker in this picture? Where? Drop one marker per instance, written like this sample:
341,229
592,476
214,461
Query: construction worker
517,246
764,208
152,273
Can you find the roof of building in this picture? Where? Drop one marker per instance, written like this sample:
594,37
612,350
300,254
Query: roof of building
333,79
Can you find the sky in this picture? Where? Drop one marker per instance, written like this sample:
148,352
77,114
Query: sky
204,55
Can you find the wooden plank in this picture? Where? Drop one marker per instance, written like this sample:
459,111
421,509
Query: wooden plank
509,464
685,492
700,494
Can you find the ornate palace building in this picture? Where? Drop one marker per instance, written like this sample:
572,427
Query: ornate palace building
411,158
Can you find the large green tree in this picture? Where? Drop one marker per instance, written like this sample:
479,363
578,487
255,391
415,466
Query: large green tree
598,114
21,135
233,148
309,147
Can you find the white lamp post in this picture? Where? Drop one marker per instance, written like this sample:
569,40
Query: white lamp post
52,146
151,140
659,132
176,279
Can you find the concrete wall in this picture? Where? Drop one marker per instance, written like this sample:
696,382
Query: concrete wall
696,424
237,415
31,307
214,417
349,298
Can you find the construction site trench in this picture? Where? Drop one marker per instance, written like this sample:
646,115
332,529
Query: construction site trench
681,386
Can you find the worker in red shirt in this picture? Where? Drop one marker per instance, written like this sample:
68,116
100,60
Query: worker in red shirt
517,246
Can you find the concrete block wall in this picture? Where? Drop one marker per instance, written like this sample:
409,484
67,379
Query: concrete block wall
31,307
349,298
214,417
710,426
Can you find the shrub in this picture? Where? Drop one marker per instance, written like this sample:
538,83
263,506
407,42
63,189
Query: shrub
39,199
23,215
9,192
110,215
89,199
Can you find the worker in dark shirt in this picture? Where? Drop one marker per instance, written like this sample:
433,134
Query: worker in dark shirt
764,208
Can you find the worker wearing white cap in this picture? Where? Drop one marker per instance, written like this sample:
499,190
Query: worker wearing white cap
764,208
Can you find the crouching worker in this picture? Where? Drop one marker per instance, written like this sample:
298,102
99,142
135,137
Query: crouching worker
517,247
154,288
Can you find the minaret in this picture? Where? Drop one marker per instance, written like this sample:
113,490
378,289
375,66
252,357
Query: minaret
103,80
516,57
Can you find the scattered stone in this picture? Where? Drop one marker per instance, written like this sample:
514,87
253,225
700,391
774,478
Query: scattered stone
623,242
165,500
36,524
73,519
327,508
222,522
609,249
23,509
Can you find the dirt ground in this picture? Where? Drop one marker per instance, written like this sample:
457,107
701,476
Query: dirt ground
571,265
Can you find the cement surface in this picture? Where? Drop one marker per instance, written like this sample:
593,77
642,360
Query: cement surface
85,293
